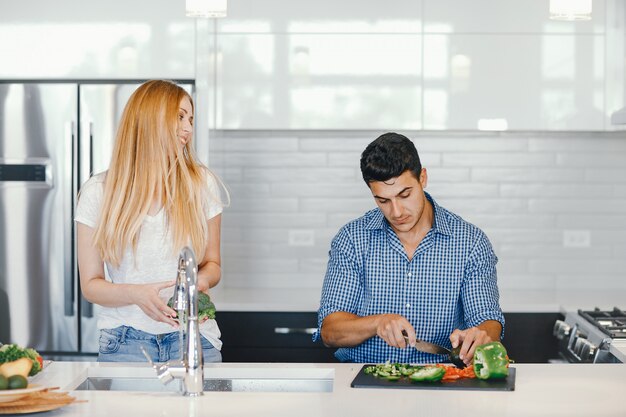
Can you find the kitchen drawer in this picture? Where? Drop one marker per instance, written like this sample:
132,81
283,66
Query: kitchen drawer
262,329
271,337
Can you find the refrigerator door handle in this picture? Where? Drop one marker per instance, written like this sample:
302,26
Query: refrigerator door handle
86,308
69,263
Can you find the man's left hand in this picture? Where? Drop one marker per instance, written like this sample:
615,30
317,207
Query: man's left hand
469,339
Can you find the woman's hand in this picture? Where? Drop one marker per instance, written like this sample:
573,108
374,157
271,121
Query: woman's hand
146,296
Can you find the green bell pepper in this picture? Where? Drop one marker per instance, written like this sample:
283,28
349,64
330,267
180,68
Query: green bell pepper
491,361
428,373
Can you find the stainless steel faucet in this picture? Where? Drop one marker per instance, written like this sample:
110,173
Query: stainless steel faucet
190,368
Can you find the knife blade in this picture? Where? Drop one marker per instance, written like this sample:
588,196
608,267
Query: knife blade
428,347
431,347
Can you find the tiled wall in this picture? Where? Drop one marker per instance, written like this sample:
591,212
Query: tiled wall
540,197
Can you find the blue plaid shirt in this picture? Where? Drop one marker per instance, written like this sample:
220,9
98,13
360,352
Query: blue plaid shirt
450,282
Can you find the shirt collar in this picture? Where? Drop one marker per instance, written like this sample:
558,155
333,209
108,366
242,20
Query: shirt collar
440,223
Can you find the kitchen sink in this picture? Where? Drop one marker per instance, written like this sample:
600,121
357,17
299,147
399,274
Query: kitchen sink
255,379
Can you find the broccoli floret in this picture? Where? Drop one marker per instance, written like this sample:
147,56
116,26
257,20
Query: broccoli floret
12,352
206,308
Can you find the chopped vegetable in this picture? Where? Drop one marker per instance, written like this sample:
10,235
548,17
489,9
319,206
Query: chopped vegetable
391,371
428,374
17,382
206,308
454,373
491,361
12,352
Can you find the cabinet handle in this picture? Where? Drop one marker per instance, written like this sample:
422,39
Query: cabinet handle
295,330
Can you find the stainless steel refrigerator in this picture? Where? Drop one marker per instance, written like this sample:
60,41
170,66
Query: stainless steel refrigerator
53,136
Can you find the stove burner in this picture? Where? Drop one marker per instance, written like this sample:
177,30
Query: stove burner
611,323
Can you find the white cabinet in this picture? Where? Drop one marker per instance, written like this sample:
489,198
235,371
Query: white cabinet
433,64
521,81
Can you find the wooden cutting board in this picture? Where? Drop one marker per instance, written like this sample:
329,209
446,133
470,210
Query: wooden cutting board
363,380
37,402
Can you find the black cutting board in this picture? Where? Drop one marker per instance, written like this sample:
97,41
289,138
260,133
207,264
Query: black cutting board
363,380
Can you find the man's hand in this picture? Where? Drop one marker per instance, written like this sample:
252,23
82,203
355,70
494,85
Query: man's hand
342,329
391,328
473,337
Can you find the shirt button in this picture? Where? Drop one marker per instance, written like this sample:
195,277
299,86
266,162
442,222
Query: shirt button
408,275
408,305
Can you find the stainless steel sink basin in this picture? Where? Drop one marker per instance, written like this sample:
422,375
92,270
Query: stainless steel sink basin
257,379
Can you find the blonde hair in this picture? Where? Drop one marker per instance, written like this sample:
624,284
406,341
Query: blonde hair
147,163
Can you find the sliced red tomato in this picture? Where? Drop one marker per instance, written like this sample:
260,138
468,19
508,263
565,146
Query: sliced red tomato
40,360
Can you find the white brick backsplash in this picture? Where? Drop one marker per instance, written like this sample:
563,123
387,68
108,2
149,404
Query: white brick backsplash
577,206
258,265
516,221
300,175
253,219
264,204
338,144
556,190
583,142
605,175
328,190
592,281
437,175
470,144
524,189
587,266
592,221
513,281
527,174
227,145
595,159
323,204
498,159
463,206
272,159
619,191
553,251
461,189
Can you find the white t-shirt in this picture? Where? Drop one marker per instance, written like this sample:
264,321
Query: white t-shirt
154,262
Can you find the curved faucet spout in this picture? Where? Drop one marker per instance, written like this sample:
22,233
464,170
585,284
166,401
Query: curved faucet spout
187,291
190,368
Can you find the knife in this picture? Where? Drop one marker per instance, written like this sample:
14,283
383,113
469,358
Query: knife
428,347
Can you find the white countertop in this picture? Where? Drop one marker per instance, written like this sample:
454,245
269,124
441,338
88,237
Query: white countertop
511,301
541,390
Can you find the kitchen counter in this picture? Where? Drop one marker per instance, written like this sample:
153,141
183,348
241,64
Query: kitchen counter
511,301
541,390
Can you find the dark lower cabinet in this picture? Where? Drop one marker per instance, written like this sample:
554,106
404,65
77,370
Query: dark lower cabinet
271,337
285,337
528,337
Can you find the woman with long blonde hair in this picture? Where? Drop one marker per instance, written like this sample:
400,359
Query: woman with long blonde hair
135,218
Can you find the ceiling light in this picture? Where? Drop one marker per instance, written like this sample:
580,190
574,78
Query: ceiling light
570,9
205,8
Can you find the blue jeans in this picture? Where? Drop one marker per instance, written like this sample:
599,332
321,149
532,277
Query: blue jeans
121,344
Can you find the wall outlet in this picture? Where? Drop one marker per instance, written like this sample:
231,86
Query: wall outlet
576,238
303,237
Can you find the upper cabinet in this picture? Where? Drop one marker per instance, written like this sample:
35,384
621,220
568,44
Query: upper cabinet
114,39
348,64
405,64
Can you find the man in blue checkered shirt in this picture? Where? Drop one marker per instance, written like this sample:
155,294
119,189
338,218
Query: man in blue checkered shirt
409,268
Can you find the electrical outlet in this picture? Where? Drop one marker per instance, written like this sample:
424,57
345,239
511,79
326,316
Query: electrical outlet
576,238
303,237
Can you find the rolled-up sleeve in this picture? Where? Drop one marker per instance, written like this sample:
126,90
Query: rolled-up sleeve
479,294
343,288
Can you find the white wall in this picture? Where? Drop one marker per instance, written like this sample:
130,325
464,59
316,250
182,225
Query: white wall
525,190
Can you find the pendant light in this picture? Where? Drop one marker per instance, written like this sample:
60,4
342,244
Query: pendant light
206,8
570,9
